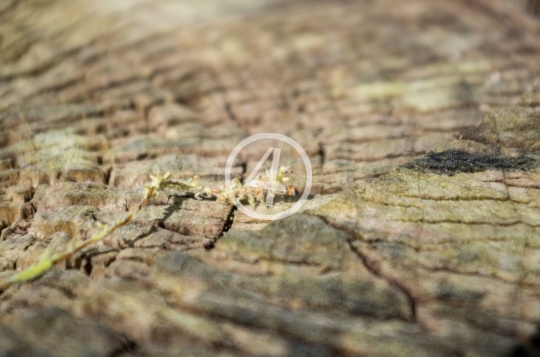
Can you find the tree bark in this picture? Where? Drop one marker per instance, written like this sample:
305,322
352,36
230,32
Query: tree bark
421,119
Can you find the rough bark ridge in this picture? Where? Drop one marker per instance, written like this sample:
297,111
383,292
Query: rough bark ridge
398,253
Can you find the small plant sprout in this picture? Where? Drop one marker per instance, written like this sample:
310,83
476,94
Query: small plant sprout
49,259
157,185
254,193
273,181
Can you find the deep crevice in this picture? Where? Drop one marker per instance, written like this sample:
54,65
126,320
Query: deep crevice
392,282
88,266
128,347
373,270
229,220
226,226
322,154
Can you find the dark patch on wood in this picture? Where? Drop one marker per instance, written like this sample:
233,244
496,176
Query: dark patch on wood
533,7
226,226
530,348
453,161
321,153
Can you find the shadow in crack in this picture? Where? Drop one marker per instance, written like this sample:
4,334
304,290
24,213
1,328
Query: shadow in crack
530,349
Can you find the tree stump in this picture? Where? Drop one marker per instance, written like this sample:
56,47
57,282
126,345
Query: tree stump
421,119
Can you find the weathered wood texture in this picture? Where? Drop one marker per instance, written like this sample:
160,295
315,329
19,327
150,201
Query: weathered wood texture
437,257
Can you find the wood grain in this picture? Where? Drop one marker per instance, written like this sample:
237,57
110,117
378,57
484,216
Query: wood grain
421,120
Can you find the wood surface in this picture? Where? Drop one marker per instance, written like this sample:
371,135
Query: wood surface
421,236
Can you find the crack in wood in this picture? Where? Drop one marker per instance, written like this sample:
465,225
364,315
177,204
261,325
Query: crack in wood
371,267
